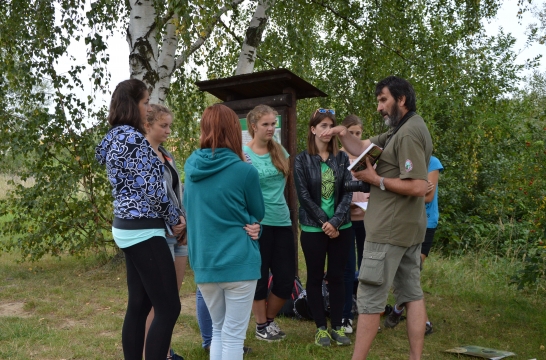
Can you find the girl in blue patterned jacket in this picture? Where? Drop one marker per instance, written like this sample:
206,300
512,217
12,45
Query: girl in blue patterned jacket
142,215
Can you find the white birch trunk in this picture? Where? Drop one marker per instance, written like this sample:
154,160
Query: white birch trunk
141,37
247,57
147,63
166,62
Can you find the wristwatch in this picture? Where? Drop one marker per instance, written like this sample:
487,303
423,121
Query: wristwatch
381,185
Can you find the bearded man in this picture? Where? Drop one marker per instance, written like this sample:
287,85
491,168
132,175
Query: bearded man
395,220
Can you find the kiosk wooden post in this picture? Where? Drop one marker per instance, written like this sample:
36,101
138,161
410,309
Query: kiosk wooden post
279,89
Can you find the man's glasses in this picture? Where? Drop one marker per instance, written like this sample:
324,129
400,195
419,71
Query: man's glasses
324,111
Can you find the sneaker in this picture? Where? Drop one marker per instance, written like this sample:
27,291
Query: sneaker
347,325
428,329
338,335
275,326
392,319
322,338
268,334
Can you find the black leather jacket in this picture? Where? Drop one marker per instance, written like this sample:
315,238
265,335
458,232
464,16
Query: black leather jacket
308,178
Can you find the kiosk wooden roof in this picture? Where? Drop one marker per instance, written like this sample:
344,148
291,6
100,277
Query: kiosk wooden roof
259,84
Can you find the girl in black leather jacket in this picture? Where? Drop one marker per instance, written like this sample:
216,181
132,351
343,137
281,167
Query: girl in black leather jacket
320,175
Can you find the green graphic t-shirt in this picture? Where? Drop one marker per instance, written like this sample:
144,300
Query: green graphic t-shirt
327,197
272,183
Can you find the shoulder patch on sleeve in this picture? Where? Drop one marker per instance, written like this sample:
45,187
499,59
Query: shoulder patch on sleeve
408,165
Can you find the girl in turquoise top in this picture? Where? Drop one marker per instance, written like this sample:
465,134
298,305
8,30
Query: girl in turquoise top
277,241
320,175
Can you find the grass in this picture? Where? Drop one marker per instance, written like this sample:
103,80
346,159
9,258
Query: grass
73,309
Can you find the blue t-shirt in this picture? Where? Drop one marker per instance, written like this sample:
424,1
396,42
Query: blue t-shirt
432,207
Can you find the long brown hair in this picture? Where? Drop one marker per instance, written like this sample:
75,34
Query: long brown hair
351,120
220,128
124,104
273,147
316,119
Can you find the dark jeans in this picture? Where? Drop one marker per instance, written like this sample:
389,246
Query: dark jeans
151,281
278,255
358,234
360,237
315,247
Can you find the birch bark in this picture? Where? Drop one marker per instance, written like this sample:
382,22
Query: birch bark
155,64
253,38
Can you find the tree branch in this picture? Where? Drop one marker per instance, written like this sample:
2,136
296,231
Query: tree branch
273,66
167,17
359,27
182,58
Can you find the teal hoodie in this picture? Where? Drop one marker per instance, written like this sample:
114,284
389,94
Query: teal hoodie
222,194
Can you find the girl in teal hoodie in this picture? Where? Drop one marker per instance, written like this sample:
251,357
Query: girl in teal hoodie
224,203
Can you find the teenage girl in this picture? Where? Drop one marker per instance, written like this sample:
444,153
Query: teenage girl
142,212
320,175
277,240
158,130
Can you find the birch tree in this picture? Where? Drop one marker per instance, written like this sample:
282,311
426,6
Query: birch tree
68,210
253,37
153,61
461,74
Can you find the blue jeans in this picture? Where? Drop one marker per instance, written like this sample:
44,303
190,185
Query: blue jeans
203,319
229,304
358,237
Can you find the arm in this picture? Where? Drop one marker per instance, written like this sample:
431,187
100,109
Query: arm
410,187
150,181
302,185
351,143
255,204
346,197
253,196
433,177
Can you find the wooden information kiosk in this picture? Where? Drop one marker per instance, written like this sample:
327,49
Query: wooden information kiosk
279,89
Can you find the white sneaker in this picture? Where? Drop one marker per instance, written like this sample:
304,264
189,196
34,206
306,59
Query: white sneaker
275,326
347,325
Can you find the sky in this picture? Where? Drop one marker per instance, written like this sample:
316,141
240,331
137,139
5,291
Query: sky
508,21
119,50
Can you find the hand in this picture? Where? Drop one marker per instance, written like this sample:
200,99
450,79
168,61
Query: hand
253,230
367,175
329,229
336,130
430,187
178,229
183,241
182,238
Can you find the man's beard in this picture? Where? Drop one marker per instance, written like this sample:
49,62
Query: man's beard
394,118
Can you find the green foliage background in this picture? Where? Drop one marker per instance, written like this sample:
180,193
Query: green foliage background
488,133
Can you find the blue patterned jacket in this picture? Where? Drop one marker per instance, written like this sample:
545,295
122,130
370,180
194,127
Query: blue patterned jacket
136,175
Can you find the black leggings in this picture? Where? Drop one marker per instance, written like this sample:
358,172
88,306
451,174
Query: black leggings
151,281
278,255
315,246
